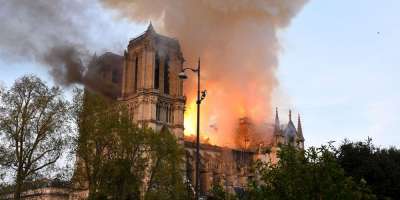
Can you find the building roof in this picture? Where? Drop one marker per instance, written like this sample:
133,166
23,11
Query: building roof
150,32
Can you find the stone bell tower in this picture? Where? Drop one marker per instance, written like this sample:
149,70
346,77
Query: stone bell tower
150,84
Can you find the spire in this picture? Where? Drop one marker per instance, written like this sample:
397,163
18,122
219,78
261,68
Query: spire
277,130
290,115
299,128
150,28
277,124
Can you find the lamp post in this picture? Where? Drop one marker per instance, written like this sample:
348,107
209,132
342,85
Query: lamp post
200,98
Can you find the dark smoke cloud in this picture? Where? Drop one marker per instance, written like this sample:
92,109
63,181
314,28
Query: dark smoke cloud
65,64
62,35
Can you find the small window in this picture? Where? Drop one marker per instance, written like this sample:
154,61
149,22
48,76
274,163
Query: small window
158,111
166,75
167,114
157,73
136,73
114,76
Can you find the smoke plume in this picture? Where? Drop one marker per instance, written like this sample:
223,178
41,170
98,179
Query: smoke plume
238,45
61,35
236,40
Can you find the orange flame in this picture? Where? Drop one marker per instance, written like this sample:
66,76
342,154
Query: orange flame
190,119
222,109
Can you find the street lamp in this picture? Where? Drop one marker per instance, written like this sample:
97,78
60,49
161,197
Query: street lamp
200,98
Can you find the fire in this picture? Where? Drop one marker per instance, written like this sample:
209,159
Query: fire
190,123
242,111
190,119
222,109
203,139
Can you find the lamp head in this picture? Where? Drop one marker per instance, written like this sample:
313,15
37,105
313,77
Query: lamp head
182,75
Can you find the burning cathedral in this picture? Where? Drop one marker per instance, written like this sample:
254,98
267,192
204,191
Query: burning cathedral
147,75
146,79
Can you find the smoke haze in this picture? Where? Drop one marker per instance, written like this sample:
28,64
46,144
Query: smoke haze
62,35
238,45
236,40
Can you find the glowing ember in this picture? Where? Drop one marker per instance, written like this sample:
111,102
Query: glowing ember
203,139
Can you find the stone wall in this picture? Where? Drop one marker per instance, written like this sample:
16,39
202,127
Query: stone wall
47,193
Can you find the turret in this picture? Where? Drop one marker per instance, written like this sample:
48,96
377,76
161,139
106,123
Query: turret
278,136
300,137
290,132
150,28
277,123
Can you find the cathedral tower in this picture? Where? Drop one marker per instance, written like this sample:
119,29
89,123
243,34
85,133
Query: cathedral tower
151,87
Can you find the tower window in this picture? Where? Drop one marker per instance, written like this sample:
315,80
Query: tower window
136,72
164,112
131,108
166,75
158,112
157,73
114,76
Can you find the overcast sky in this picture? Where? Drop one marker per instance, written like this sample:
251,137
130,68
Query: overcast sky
338,68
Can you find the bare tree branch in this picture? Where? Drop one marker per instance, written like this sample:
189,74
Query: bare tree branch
33,119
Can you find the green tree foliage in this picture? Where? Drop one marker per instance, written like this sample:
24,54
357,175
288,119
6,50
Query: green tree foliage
110,161
217,192
378,168
310,174
33,126
165,167
120,160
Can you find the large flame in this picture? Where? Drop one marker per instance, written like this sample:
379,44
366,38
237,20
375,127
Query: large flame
190,119
223,107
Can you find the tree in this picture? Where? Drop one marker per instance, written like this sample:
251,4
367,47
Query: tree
109,148
165,169
33,123
217,192
119,160
311,174
286,180
378,168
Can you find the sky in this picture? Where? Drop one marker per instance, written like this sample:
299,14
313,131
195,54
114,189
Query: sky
338,67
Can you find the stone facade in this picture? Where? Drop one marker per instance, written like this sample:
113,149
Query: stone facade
227,167
47,193
150,84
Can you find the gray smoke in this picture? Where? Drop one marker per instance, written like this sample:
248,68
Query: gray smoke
62,35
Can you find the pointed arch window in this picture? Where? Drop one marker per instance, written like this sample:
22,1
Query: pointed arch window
166,75
158,112
164,112
157,72
136,73
114,76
